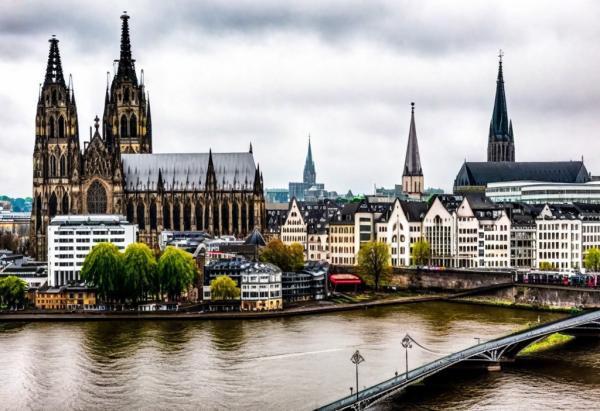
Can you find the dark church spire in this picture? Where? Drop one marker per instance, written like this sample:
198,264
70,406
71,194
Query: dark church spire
310,175
54,73
500,139
412,162
126,68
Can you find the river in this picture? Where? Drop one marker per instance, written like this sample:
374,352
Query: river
293,363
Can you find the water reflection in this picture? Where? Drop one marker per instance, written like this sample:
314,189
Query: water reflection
108,341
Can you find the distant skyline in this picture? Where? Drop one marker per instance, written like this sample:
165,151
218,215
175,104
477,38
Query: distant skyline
222,74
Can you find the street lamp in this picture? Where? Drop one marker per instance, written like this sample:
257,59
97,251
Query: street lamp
406,343
356,359
478,340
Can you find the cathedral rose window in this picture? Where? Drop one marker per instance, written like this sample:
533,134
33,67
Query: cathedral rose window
96,199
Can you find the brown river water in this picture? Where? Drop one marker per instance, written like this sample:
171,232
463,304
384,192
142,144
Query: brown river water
294,363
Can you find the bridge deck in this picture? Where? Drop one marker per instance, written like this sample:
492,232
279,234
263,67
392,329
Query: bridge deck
487,351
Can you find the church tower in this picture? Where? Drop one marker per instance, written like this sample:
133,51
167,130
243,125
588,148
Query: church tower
412,176
56,155
310,175
126,126
501,142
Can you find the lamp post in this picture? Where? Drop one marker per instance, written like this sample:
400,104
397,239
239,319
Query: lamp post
406,343
356,359
478,340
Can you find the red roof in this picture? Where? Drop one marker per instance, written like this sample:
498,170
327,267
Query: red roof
344,279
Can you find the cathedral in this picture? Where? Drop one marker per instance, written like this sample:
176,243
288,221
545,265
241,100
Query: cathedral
118,173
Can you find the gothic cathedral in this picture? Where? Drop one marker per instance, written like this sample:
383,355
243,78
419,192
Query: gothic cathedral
117,172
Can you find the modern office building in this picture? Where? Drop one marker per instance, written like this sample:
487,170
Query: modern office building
71,237
535,192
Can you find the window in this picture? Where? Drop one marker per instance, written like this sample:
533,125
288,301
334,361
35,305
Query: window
61,127
124,126
96,198
63,166
133,128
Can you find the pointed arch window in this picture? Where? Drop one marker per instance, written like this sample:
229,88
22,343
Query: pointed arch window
235,216
130,211
65,204
51,128
124,126
225,217
244,219
153,215
166,215
206,216
176,216
187,216
251,216
133,128
216,218
96,198
61,127
52,205
63,166
54,98
126,96
52,165
141,215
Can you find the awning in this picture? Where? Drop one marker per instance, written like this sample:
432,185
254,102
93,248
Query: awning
337,279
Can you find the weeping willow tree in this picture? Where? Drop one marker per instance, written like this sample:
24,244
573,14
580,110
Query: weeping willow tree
140,271
176,271
103,269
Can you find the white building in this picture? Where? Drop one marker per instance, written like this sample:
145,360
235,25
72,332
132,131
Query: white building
261,288
535,192
70,238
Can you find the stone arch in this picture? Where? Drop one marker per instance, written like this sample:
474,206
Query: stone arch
133,127
166,214
52,205
96,198
153,224
141,215
187,215
62,166
124,126
176,215
61,127
65,204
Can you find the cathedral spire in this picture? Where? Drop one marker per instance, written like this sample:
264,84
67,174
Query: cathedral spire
412,162
149,127
126,68
54,73
500,138
310,175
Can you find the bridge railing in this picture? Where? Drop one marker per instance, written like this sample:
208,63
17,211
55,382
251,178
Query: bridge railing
400,381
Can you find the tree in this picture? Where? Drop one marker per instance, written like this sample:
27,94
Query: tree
177,270
224,288
374,262
103,268
139,270
421,252
12,291
288,258
546,266
591,260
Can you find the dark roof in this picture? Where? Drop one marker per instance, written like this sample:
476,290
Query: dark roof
412,162
255,238
414,210
500,125
188,172
482,173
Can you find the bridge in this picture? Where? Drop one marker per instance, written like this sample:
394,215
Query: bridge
491,352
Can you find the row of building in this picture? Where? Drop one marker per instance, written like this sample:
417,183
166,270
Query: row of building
463,231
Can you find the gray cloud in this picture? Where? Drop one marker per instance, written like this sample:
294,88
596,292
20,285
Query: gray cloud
222,73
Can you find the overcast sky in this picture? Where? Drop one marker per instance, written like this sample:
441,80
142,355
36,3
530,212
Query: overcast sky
223,73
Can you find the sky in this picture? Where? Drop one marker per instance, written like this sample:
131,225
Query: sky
224,73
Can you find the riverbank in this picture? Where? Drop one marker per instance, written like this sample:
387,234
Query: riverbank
506,303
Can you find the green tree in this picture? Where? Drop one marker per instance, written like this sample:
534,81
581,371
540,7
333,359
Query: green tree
103,268
374,263
177,270
139,269
12,291
224,288
591,260
288,258
546,266
421,252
